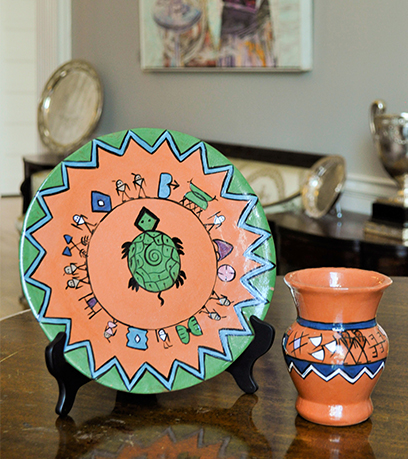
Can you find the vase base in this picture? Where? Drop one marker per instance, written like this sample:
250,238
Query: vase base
334,415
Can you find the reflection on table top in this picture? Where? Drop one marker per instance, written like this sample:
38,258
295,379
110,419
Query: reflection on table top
212,419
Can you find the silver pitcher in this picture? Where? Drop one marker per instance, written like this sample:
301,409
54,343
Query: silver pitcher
390,134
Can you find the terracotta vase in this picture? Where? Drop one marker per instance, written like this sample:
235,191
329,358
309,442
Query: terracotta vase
335,351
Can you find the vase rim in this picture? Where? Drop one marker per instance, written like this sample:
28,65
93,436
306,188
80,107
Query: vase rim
337,279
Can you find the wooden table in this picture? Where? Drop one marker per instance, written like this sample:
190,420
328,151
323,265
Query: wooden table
212,419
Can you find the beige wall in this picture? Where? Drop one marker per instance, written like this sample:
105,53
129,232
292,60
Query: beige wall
359,55
18,95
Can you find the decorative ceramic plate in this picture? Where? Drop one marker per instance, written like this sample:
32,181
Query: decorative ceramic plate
323,185
151,252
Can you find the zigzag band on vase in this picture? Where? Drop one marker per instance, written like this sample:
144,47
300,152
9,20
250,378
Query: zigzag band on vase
351,373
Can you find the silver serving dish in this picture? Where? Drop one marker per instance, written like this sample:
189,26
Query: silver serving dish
70,107
323,185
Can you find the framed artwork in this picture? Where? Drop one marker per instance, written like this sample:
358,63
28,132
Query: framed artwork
226,35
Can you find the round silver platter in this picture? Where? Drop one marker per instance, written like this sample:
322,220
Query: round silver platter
70,107
323,185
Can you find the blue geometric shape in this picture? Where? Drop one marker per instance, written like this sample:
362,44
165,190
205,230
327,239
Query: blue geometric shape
100,202
164,185
137,338
67,238
67,252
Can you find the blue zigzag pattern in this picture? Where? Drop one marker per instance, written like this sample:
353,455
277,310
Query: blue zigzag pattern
351,373
264,265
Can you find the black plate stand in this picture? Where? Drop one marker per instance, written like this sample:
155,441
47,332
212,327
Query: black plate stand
71,380
241,368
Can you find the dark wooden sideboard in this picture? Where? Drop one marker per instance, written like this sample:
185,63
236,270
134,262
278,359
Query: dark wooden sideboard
304,242
33,164
301,241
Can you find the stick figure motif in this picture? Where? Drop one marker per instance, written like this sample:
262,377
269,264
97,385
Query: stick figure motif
110,330
77,283
222,300
217,222
213,315
164,336
71,245
73,283
91,303
138,183
72,267
81,221
121,188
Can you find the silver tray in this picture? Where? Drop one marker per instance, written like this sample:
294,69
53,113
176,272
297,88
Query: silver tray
323,185
70,107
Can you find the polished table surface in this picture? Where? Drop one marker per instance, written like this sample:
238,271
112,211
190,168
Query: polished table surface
209,420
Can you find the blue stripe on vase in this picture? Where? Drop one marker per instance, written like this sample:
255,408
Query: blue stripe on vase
337,326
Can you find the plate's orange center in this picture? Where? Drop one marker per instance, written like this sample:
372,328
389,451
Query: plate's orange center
109,273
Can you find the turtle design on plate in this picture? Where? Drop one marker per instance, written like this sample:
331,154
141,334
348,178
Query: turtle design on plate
153,257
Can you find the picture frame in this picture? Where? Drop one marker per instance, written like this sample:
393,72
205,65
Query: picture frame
226,35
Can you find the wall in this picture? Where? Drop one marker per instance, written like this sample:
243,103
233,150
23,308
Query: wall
18,99
359,56
35,38
53,42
